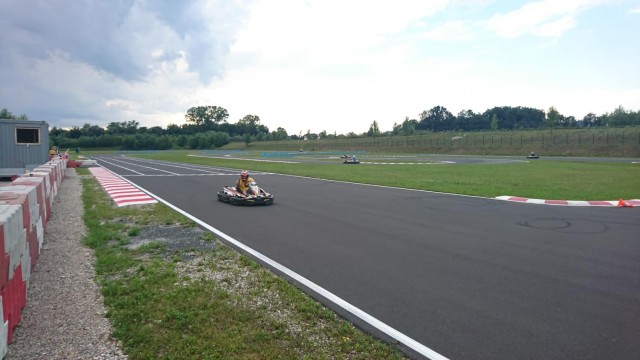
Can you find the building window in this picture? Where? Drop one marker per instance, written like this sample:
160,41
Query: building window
27,136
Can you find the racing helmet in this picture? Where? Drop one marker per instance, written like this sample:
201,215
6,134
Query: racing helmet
244,175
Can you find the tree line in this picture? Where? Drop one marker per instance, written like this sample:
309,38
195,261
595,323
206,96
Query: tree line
439,119
207,127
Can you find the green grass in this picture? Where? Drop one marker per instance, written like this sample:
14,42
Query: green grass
226,307
216,305
535,179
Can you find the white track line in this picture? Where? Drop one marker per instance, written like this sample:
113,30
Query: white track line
393,333
147,167
230,158
110,163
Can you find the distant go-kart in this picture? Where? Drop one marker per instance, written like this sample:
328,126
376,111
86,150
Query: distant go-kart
350,160
532,155
255,196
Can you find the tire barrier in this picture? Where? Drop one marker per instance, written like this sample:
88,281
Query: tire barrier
25,207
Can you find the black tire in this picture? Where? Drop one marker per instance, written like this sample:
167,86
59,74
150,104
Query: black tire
222,197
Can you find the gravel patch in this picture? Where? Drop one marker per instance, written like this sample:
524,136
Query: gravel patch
172,237
65,315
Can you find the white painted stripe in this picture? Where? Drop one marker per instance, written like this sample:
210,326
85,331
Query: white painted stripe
230,158
120,192
153,201
403,163
147,167
393,333
212,174
110,163
127,188
176,165
133,197
124,186
536,201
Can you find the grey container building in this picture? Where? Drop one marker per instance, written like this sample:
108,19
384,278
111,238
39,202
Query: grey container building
24,145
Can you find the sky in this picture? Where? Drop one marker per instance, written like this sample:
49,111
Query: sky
314,65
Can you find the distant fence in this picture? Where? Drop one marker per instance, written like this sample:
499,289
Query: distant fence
620,142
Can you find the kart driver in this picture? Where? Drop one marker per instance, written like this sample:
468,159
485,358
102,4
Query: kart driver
243,182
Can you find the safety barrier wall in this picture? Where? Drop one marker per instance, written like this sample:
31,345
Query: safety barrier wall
25,207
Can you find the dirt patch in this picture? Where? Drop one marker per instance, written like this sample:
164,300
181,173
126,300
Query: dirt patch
174,238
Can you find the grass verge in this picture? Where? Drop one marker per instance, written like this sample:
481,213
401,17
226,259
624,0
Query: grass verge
205,304
570,180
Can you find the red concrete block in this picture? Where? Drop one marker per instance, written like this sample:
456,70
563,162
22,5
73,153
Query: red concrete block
40,191
73,164
11,198
14,298
4,261
47,193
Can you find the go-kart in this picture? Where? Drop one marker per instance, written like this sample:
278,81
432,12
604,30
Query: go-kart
353,160
255,196
532,155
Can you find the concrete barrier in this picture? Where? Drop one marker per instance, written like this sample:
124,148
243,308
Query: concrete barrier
81,163
25,207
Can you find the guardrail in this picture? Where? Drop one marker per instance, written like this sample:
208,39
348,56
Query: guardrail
25,207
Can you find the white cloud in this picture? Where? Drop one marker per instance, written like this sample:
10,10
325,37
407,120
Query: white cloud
451,31
635,10
315,65
547,18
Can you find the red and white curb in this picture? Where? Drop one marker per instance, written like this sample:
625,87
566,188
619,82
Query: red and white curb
616,203
121,191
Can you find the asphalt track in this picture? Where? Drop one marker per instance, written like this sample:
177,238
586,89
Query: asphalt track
465,277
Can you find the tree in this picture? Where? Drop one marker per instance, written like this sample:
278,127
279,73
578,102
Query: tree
74,133
553,117
436,119
468,120
250,124
123,128
310,136
590,120
408,127
374,130
173,129
56,131
280,134
621,117
494,122
512,118
207,116
6,114
91,130
155,130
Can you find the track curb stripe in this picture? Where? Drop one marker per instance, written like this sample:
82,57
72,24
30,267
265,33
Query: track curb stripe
122,192
602,203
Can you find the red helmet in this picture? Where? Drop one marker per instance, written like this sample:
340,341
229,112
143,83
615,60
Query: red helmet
244,175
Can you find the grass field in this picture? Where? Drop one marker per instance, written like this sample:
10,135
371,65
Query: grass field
535,179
